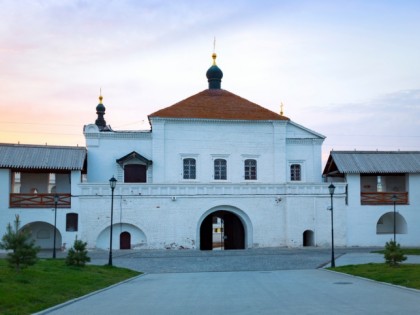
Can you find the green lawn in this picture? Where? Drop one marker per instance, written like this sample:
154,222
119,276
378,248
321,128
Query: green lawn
50,282
407,275
406,251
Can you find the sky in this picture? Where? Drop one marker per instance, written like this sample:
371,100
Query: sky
346,69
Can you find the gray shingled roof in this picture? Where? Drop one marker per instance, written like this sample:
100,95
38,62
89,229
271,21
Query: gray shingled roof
42,157
360,162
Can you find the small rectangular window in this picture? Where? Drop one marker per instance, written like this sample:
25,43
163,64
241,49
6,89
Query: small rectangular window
220,169
72,222
295,172
189,171
250,169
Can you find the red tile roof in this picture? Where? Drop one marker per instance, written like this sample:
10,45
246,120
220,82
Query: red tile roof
217,104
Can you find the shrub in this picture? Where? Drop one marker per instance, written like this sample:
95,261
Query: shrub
77,255
393,254
24,252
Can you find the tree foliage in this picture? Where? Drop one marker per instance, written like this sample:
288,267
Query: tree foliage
78,254
393,254
24,252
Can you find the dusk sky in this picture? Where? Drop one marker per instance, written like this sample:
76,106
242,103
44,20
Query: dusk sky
349,70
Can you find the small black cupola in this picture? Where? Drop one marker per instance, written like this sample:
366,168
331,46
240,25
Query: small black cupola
214,75
100,111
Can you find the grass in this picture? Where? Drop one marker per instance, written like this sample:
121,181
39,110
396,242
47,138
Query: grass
407,275
51,282
406,251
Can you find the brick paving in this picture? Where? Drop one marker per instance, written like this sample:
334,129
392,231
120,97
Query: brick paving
185,261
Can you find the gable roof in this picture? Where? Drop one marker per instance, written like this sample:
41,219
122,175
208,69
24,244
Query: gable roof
42,157
134,156
217,104
372,162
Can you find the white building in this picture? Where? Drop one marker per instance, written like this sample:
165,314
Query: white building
380,184
214,170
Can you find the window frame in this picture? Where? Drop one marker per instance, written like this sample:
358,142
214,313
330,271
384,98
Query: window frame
220,170
295,172
248,176
189,177
72,222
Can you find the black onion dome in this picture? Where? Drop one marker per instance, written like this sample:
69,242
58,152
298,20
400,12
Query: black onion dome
214,75
100,111
100,108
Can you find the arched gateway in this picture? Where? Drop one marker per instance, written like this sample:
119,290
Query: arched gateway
222,229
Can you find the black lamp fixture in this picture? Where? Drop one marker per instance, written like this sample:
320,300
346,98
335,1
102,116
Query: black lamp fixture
112,184
394,199
56,197
331,189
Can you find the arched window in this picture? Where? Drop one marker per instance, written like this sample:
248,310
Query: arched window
72,222
220,169
250,169
189,168
295,172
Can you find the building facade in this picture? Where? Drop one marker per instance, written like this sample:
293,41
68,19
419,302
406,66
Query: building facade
214,171
383,199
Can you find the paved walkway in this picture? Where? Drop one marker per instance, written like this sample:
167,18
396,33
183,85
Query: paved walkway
304,290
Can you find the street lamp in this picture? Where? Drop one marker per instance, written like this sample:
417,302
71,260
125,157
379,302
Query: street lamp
55,223
394,199
331,188
112,183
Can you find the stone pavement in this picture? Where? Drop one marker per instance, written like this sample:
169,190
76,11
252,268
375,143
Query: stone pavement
261,259
260,281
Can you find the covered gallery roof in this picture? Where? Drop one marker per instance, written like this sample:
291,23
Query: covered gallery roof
373,162
42,157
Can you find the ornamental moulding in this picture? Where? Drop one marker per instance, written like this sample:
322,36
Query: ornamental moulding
120,135
304,141
218,121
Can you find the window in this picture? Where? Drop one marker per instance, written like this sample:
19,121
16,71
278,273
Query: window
135,173
295,172
71,222
250,169
220,169
189,169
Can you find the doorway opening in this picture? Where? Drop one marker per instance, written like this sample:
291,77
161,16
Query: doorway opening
308,238
222,230
125,240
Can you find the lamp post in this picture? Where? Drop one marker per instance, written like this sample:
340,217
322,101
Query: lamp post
112,183
331,188
55,223
394,199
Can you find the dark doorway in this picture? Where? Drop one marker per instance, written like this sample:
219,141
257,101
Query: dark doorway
135,173
125,240
231,233
308,238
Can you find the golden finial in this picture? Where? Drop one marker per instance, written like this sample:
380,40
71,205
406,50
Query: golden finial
214,56
281,109
100,96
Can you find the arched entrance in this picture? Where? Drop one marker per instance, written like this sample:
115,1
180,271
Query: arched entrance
308,238
222,230
125,240
385,224
43,234
123,235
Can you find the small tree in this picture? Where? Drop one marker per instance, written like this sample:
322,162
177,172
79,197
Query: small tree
77,255
24,252
393,254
